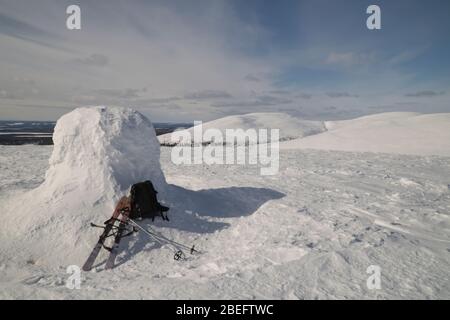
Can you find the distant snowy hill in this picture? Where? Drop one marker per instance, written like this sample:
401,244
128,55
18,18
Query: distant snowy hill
393,132
290,127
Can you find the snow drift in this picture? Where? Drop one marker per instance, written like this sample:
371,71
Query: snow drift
98,154
392,132
290,127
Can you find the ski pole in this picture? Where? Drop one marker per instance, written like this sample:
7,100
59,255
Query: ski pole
161,238
145,231
173,242
178,254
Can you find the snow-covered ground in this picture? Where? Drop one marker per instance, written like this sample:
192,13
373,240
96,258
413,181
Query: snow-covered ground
309,232
391,132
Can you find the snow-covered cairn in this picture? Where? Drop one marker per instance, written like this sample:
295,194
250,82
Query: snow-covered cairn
98,153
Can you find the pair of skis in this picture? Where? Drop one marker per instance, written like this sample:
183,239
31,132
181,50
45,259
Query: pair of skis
121,211
122,214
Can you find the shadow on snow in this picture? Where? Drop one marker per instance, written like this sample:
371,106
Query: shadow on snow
192,211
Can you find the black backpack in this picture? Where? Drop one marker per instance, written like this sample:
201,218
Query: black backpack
144,203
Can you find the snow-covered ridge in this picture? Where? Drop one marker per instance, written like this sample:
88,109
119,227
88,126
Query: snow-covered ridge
290,127
392,132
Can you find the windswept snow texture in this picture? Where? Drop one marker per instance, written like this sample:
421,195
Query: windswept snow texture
290,127
394,132
309,232
98,154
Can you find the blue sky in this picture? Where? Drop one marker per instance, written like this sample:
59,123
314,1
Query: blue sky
201,60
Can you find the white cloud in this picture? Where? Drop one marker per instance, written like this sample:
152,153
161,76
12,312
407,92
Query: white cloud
192,62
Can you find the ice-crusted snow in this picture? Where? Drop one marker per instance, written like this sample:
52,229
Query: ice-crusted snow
290,127
98,154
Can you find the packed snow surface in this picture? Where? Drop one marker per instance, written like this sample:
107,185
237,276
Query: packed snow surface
309,232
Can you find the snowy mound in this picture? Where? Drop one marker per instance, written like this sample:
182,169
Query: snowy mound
98,154
101,152
394,132
290,127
